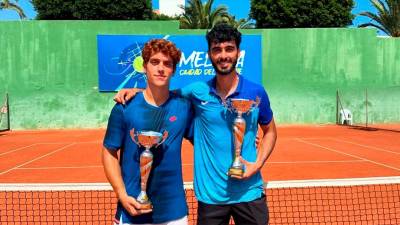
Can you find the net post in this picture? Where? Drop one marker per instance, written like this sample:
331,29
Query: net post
8,113
337,107
5,119
366,108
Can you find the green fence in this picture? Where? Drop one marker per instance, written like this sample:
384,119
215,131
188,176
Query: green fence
49,69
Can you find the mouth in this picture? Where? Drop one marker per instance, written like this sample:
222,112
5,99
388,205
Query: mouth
160,77
224,64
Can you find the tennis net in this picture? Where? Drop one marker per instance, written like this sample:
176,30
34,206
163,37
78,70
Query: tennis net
333,201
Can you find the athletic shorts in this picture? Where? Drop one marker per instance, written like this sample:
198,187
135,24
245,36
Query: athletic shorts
245,213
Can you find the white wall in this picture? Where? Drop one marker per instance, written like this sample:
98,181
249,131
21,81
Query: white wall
171,7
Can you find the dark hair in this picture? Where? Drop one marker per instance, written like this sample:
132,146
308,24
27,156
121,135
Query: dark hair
222,32
161,45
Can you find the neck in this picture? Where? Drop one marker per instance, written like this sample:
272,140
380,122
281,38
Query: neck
156,95
227,84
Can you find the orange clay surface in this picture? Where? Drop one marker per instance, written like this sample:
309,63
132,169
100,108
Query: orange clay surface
301,152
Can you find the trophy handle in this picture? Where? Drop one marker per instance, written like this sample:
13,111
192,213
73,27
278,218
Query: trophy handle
255,104
133,136
164,137
226,104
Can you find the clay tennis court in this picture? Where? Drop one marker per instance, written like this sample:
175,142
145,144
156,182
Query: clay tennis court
301,153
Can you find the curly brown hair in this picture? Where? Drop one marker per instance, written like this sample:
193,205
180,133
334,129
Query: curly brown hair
161,45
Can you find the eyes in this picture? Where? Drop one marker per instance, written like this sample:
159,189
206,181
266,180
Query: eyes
228,49
166,63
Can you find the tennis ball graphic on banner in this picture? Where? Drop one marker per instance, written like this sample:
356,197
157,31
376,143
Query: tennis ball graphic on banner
138,64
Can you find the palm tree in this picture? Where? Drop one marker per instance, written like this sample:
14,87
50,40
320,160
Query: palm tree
6,4
239,24
387,19
200,16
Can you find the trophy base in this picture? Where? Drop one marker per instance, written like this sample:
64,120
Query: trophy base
235,171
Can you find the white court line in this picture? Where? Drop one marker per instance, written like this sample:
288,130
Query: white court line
367,146
47,143
17,149
64,186
306,162
37,158
58,167
319,161
309,138
344,153
79,142
55,187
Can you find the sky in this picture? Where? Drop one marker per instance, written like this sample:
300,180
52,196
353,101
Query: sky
239,8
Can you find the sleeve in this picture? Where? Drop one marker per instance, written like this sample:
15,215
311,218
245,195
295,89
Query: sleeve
187,91
115,133
265,113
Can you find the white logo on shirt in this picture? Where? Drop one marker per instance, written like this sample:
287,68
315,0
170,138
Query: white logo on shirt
204,102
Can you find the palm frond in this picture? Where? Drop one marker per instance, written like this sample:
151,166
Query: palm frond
5,4
245,24
374,25
379,5
201,16
372,16
218,14
387,17
18,9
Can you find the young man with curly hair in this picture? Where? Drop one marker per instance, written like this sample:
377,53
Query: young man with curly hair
155,109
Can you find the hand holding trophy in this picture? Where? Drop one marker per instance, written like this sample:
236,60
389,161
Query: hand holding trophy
239,106
147,139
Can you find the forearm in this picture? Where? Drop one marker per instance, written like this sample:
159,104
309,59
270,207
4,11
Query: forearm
266,148
267,145
112,170
138,89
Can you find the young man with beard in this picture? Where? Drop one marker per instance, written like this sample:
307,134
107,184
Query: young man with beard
155,109
219,195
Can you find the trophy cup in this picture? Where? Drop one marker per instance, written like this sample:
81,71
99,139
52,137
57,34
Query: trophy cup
239,106
147,139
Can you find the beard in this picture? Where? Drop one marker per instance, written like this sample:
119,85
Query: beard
227,70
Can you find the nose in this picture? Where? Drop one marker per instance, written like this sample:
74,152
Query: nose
224,55
160,67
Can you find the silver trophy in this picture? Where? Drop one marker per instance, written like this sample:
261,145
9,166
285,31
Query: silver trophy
147,139
240,107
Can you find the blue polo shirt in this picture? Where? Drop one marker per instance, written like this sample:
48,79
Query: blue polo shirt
165,183
214,142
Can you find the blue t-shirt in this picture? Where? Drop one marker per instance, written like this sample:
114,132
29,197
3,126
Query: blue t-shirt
214,142
165,183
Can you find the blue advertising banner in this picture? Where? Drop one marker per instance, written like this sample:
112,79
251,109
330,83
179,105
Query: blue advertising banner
121,65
